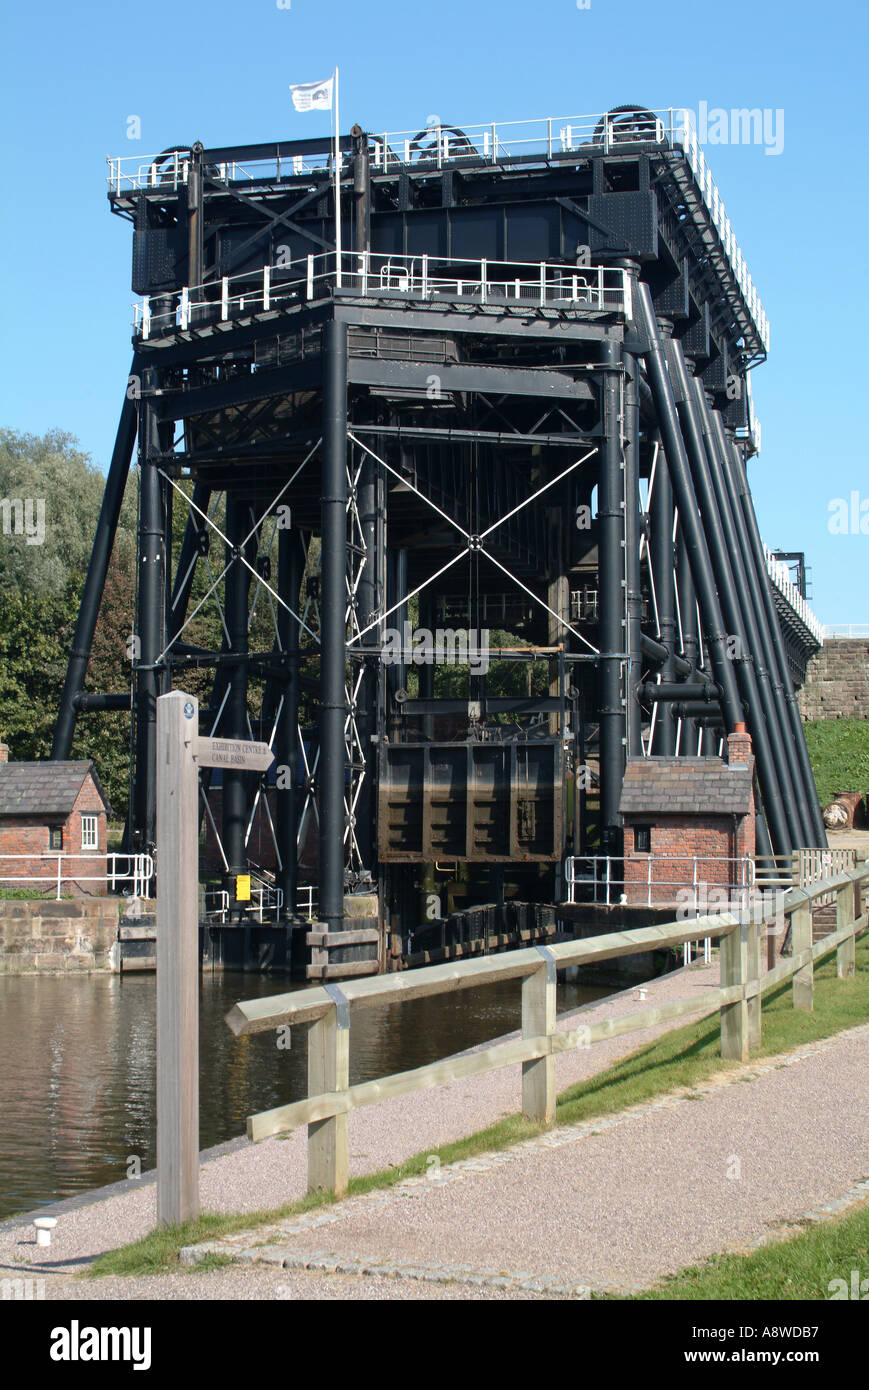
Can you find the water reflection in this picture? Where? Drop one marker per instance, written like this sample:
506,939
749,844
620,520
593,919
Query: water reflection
77,1087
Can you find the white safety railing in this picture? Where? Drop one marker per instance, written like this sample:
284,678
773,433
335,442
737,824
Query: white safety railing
215,903
602,878
431,278
120,871
846,630
306,901
550,137
781,578
698,878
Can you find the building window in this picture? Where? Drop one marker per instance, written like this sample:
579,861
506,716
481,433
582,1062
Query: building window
55,837
89,832
643,839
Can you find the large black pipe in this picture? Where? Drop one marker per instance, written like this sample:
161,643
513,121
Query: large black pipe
661,517
333,512
695,540
768,624
151,616
659,654
771,689
288,794
633,581
690,632
234,723
95,580
369,503
611,604
669,691
713,527
185,570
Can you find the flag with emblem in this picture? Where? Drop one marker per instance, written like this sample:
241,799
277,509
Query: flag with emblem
313,96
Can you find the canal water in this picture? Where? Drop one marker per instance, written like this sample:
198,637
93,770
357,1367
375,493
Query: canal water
77,1078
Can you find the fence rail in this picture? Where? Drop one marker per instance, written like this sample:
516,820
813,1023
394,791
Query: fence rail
327,1013
135,870
493,143
524,284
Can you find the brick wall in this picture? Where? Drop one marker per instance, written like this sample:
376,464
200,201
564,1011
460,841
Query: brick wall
675,841
30,835
58,938
837,681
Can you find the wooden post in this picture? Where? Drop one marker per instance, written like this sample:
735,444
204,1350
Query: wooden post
801,940
734,1017
753,944
329,1070
177,960
538,1019
846,954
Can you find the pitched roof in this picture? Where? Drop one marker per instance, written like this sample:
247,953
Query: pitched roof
679,786
44,788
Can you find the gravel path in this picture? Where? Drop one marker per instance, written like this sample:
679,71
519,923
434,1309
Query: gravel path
240,1177
617,1202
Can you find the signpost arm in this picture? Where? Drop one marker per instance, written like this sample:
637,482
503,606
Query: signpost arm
177,961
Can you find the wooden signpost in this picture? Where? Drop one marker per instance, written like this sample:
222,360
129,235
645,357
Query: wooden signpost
180,754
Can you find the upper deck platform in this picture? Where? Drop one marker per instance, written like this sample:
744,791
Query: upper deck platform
481,151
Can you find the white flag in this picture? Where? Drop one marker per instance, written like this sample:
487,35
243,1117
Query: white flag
313,96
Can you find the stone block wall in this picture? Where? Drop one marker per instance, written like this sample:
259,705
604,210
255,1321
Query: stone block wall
837,681
38,937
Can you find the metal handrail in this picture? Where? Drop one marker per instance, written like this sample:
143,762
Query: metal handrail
139,872
531,283
551,137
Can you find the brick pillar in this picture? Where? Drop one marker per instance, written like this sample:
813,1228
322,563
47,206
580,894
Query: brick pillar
4,753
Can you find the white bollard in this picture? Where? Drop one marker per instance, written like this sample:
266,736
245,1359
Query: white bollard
44,1227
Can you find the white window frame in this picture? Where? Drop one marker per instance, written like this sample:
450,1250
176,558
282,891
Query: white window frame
90,830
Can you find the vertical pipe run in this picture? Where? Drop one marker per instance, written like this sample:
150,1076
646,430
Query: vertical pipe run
781,668
291,568
234,722
771,686
663,567
150,618
333,512
611,602
695,539
690,632
98,565
634,591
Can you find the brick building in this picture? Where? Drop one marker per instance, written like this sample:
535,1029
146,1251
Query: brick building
47,809
678,810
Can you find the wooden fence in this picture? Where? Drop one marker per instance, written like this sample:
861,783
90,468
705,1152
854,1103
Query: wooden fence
326,1012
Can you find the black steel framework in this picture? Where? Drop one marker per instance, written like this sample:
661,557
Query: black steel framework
519,401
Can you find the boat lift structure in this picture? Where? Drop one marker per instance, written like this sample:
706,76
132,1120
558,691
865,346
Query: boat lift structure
518,404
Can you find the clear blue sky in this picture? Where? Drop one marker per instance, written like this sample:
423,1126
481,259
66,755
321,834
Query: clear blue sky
219,72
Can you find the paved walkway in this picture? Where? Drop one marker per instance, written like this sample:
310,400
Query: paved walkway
612,1203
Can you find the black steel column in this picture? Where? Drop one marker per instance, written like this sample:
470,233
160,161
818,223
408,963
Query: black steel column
690,633
634,590
369,603
771,689
611,603
333,511
661,554
234,722
291,568
695,539
104,539
721,552
151,614
765,591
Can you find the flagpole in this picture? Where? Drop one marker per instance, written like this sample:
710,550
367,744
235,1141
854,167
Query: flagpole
337,186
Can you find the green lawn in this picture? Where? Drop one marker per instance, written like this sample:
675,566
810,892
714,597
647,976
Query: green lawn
802,1267
839,751
683,1057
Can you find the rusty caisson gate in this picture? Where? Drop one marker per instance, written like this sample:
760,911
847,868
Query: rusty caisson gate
485,474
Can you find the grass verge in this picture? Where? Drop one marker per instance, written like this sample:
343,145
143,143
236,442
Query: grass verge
681,1058
802,1267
